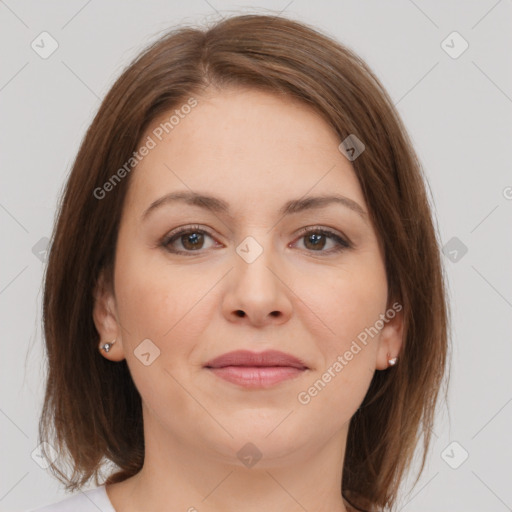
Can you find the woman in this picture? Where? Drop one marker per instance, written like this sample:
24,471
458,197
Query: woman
244,303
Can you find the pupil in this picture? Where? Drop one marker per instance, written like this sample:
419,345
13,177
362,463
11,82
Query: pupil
193,240
316,240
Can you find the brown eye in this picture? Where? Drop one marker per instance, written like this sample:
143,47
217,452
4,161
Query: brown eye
192,241
186,241
316,239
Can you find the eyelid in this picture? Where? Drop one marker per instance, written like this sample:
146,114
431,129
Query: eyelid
192,227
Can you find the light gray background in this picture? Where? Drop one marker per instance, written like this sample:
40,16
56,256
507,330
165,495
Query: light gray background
458,112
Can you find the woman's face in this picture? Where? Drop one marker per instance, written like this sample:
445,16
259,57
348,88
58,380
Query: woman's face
245,276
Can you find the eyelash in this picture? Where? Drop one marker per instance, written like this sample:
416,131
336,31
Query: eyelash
173,236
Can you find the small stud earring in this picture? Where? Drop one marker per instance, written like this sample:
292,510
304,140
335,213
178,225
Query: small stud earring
392,361
107,346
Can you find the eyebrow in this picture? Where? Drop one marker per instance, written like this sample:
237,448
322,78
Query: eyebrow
217,205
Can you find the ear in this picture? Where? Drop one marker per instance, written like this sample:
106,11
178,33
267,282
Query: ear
391,336
105,320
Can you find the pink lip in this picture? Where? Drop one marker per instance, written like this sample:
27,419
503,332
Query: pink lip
253,370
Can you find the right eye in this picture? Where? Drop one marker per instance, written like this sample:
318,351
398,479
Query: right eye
191,239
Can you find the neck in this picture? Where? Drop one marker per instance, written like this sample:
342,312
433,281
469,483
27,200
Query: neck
182,475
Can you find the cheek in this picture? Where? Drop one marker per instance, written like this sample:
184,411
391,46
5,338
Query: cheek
343,309
332,398
343,302
156,301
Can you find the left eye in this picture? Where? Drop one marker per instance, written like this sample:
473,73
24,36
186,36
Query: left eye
316,240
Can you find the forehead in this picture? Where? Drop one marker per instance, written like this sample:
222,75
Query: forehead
243,145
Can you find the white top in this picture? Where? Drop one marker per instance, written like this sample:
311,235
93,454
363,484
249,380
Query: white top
94,500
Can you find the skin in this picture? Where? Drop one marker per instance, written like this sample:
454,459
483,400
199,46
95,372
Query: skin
256,151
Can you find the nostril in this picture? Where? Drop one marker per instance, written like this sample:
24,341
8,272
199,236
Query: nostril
240,313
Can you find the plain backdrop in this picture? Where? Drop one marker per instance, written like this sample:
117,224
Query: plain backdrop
456,104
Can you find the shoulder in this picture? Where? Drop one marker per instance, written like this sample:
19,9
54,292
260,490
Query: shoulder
83,501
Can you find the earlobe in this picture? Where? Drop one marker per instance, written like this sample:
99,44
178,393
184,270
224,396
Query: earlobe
105,320
390,342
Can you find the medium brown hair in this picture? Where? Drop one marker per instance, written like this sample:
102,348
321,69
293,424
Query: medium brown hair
92,409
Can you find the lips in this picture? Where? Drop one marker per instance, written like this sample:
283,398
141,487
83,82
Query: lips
256,370
269,358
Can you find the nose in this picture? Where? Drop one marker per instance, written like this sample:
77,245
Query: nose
257,292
